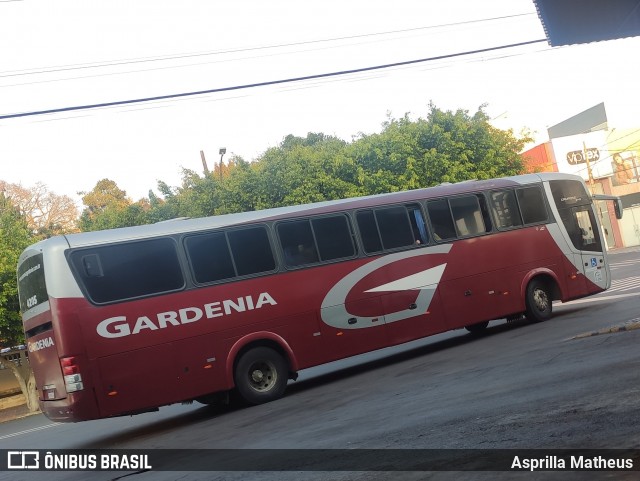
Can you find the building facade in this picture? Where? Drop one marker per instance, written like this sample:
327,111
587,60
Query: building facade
609,161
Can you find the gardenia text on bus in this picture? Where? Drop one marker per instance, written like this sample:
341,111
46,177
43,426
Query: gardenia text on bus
120,326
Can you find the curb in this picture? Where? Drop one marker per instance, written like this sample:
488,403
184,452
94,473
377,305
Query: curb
629,325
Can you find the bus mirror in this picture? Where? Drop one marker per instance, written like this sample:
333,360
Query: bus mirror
617,206
617,203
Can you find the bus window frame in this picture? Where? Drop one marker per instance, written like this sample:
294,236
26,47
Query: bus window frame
85,291
189,264
545,202
485,215
282,256
497,225
416,203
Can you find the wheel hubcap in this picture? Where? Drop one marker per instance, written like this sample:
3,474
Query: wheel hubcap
262,376
541,299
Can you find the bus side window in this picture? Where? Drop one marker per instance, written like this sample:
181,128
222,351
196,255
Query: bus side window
128,270
532,205
468,216
505,209
251,250
209,257
441,220
298,244
368,228
333,235
395,229
388,228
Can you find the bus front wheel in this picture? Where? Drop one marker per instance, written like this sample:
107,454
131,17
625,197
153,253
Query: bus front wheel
538,301
261,375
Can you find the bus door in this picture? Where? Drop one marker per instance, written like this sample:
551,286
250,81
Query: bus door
592,255
585,236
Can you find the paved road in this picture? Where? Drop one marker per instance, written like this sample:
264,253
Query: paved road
548,385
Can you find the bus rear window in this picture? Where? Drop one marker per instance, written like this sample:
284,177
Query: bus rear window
31,285
123,271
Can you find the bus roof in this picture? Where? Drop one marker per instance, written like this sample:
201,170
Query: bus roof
181,225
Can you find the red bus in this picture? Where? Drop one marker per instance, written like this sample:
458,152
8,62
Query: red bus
124,321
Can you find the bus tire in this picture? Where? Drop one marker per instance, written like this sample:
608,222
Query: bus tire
538,301
477,328
260,375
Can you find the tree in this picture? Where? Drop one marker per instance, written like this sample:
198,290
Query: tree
15,236
46,213
108,207
302,170
444,147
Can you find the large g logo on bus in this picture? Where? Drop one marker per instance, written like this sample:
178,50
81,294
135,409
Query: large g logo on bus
334,312
114,327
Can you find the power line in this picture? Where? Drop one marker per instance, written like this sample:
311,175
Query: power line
115,63
266,83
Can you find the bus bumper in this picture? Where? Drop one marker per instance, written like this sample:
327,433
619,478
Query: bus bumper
78,406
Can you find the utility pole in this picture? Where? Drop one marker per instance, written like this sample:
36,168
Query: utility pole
586,159
204,163
222,151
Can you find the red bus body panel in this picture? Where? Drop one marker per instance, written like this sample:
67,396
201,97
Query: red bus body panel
155,359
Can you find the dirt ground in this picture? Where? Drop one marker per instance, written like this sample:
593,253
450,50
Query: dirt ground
13,407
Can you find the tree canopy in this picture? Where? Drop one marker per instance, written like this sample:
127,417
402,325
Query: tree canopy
14,237
446,146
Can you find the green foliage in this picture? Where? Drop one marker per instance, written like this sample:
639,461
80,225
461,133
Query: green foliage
14,237
445,147
107,207
407,154
303,170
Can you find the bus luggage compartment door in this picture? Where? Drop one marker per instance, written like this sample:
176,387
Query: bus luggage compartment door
353,327
136,380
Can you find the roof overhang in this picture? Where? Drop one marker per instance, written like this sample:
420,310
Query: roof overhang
568,22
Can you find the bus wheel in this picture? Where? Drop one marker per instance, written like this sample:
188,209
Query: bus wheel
261,375
538,301
477,328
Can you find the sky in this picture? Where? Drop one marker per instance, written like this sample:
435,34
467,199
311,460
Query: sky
62,54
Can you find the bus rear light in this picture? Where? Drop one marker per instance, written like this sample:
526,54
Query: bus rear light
71,373
69,366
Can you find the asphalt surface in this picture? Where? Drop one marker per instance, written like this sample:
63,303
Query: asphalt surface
572,382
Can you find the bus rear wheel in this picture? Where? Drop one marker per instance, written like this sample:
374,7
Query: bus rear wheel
538,301
261,375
